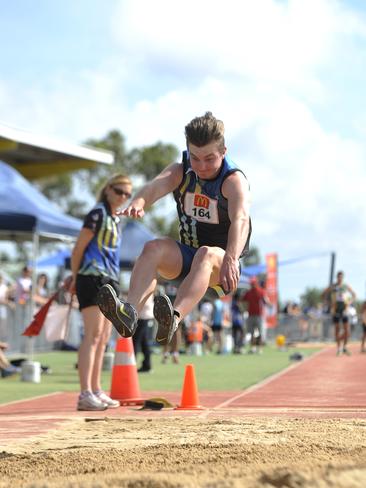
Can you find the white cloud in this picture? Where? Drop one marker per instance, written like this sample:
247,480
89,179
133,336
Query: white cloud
261,67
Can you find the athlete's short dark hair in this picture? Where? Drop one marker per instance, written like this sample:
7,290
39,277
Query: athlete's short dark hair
206,129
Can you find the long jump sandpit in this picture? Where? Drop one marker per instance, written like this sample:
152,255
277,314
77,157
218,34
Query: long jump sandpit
304,427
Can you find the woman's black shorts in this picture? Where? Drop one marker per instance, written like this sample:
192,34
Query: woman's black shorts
87,287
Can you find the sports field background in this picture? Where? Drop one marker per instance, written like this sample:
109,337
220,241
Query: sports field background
213,372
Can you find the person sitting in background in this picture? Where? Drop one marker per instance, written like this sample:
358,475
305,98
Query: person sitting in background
6,368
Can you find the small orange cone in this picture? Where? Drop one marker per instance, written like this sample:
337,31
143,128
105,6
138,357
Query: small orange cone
125,384
189,399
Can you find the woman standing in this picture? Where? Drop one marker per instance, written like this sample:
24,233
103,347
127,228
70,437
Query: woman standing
41,295
95,262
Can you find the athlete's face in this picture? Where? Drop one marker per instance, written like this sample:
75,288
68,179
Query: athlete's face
206,160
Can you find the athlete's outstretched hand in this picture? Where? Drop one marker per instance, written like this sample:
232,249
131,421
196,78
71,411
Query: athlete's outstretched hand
135,209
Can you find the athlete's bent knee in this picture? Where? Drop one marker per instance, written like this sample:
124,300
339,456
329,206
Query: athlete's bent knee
153,248
208,254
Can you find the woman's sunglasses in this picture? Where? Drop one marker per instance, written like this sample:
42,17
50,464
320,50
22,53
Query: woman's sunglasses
121,193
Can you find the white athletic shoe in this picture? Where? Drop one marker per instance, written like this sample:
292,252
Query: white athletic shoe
107,400
90,402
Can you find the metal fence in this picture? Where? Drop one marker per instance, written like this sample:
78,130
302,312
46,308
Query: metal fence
305,328
13,322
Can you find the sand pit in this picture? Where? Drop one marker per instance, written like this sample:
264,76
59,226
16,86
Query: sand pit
190,452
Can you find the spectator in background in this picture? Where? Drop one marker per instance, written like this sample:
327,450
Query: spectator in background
23,304
316,321
255,299
23,287
237,323
141,339
172,349
5,303
217,324
353,318
41,295
95,262
197,333
205,308
341,296
363,324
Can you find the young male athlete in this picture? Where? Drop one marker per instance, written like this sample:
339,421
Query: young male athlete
212,198
341,296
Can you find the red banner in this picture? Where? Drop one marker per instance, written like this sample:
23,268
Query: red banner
272,290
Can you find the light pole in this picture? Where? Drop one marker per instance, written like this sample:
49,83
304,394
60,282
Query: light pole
332,266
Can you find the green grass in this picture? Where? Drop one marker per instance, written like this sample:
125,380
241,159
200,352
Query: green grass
213,372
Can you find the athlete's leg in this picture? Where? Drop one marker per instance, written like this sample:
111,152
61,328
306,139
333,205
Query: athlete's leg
337,332
93,327
99,355
363,339
204,272
346,334
160,256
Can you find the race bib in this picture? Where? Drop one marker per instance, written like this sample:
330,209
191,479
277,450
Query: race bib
201,208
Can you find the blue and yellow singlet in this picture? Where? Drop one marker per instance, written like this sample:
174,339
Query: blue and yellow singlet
101,256
202,208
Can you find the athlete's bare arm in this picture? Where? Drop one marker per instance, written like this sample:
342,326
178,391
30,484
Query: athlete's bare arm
236,189
352,292
167,181
85,236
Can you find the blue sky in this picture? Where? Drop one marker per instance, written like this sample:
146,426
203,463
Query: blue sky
287,78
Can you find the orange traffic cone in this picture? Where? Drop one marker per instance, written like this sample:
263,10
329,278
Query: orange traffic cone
189,399
125,384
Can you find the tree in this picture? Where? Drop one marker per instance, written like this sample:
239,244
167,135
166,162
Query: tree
311,297
115,142
59,189
151,160
147,162
163,227
253,257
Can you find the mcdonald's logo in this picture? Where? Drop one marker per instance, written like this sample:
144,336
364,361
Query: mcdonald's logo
201,201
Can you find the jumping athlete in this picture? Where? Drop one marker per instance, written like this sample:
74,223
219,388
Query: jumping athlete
212,199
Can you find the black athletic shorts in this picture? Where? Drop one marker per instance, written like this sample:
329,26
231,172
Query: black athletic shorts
87,287
188,254
340,314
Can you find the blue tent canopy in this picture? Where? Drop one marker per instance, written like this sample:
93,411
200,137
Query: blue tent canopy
24,209
134,236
